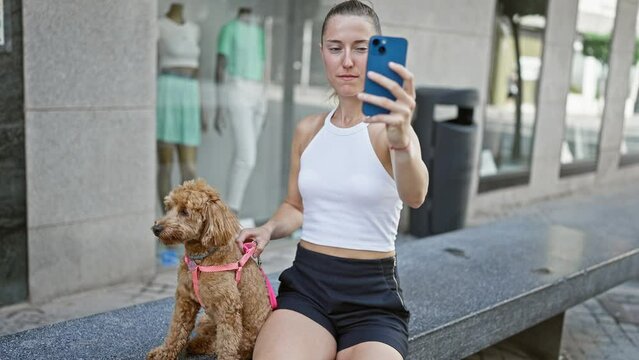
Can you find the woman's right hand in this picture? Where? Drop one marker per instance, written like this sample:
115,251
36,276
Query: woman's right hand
261,235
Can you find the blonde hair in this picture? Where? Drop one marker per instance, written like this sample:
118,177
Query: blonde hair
356,8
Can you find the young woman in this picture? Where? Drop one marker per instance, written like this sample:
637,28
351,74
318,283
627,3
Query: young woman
341,299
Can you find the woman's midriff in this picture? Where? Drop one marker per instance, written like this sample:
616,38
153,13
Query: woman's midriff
346,253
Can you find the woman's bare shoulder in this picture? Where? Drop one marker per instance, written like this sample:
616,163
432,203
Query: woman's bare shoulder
311,123
307,128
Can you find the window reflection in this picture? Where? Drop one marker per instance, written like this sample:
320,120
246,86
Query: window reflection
237,62
589,74
512,99
630,142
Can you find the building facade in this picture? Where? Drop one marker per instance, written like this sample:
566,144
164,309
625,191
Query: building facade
79,162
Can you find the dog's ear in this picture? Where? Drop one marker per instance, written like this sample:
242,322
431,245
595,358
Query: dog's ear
220,225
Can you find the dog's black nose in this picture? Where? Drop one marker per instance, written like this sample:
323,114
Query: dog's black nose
157,229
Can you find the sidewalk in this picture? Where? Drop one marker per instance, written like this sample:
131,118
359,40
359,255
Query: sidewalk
15,318
605,327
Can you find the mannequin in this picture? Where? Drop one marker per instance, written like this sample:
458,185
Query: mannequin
240,70
179,113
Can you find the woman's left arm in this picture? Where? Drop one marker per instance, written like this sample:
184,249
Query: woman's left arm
409,171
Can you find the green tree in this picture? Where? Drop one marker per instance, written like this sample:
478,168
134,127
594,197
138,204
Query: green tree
597,46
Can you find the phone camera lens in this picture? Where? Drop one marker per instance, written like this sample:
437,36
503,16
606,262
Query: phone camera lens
375,42
382,50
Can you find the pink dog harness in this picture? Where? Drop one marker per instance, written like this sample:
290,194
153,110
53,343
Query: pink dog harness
249,250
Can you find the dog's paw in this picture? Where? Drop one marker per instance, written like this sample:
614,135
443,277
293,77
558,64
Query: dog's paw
200,346
161,353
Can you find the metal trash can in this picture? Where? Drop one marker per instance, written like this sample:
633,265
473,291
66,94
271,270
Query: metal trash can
449,151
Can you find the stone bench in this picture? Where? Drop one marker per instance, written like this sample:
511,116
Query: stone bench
506,282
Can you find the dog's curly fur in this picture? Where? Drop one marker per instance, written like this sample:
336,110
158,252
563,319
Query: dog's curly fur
234,312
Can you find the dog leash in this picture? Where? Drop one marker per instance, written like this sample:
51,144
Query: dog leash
249,251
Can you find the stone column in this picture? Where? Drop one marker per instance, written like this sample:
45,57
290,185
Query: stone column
89,73
622,50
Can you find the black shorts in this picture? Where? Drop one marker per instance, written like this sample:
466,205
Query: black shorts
355,300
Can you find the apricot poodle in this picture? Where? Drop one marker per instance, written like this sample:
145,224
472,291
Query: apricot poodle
234,311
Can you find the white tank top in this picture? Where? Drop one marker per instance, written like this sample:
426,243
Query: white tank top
178,44
350,200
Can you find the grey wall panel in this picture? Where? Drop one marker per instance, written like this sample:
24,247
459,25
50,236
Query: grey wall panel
89,69
89,54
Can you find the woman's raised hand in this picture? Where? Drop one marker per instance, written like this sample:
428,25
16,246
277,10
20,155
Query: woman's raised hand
401,110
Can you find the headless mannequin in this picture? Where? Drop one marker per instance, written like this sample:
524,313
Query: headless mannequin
246,117
187,155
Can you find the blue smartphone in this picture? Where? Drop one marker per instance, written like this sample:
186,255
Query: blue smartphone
381,51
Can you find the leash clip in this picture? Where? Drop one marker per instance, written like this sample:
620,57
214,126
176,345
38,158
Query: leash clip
253,256
257,260
190,264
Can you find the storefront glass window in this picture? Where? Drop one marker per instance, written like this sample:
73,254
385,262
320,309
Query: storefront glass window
588,81
512,99
630,142
233,78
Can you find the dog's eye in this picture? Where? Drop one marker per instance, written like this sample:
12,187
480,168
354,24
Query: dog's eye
184,212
